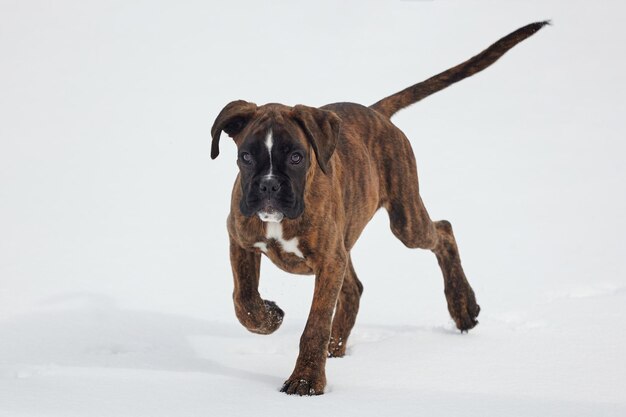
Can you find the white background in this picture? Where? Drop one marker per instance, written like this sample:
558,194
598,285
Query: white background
115,284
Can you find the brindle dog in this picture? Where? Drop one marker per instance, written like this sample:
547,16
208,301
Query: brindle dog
310,180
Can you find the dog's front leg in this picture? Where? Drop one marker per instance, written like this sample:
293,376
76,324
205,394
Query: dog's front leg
309,376
257,315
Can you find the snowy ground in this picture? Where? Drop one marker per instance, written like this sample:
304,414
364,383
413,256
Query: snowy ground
114,276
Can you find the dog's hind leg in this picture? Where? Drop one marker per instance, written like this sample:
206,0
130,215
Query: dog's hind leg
345,312
411,224
459,294
439,238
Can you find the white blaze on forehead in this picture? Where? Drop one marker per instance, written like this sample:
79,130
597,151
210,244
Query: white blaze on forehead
269,142
275,231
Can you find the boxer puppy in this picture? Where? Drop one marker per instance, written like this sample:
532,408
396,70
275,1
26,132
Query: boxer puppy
309,181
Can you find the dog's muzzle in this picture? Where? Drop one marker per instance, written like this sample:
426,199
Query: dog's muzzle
270,214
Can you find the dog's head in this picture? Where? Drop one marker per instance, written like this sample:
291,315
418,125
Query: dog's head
279,148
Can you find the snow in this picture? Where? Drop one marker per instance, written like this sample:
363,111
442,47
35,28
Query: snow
115,284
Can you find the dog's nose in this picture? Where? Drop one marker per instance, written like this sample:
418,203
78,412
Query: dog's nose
269,185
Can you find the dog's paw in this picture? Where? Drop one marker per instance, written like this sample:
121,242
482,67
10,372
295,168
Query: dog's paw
264,319
273,318
336,347
463,309
467,320
303,386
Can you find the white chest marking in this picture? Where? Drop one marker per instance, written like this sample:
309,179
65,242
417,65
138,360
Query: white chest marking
262,246
269,142
275,231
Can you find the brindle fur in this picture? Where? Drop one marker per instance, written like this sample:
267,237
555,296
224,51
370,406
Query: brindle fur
359,162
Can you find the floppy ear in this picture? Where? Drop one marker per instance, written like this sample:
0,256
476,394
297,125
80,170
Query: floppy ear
321,128
232,119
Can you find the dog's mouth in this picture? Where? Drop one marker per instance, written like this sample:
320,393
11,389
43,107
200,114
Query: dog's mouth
270,214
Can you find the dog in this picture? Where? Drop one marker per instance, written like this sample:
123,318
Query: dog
309,181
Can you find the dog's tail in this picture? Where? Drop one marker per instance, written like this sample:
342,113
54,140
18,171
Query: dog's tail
390,105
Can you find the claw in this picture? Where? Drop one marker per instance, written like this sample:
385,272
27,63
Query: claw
299,387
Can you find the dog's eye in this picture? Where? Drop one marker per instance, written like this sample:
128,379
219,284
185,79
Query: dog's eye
295,158
246,157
